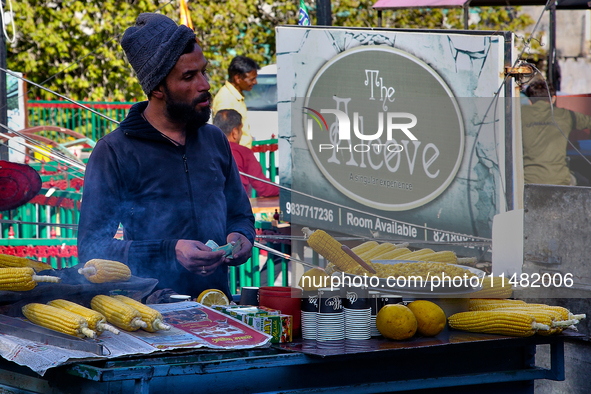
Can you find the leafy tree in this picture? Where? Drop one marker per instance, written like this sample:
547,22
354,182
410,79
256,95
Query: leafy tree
72,46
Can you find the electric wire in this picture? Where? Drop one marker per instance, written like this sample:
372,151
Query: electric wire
494,99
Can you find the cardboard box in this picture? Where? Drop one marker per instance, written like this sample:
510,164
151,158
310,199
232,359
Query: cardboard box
280,327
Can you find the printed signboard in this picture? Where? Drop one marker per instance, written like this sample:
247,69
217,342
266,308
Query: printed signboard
391,134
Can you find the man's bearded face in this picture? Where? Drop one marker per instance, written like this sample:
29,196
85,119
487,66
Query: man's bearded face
188,113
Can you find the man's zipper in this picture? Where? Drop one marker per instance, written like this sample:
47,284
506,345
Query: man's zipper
190,187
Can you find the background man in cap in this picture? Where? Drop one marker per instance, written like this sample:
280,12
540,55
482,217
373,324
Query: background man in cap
165,174
242,76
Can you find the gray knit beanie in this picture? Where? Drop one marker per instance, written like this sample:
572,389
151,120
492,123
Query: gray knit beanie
153,46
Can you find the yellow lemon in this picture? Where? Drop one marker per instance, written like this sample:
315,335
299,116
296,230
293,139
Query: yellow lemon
211,297
430,317
395,321
313,279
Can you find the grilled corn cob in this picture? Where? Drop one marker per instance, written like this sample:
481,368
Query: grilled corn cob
96,320
512,323
101,271
484,304
151,317
118,313
364,247
58,319
8,261
22,279
329,248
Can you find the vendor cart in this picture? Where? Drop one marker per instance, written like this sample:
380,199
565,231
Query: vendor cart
453,362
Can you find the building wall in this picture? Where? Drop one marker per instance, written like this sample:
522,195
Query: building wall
573,44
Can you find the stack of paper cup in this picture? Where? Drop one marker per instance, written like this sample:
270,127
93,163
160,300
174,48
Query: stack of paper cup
309,314
330,319
357,313
374,303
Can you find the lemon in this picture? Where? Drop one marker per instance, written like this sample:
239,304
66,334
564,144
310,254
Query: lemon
211,297
430,317
396,321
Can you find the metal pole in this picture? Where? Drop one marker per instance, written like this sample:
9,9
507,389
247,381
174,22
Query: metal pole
3,92
323,13
466,14
551,76
379,18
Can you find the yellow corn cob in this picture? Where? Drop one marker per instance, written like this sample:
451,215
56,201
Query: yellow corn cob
498,288
330,268
101,271
484,304
566,314
8,261
446,256
493,292
151,317
416,255
393,254
118,313
512,323
22,279
58,319
551,318
329,248
96,320
381,248
364,247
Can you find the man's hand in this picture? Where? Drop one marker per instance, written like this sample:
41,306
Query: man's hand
242,255
198,258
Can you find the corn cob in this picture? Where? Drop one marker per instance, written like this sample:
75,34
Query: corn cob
566,314
118,313
381,249
446,256
331,268
551,318
8,261
101,271
392,254
484,304
58,319
96,320
329,248
416,255
151,317
512,323
364,247
498,288
22,279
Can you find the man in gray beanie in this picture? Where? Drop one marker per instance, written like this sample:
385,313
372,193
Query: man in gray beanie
166,175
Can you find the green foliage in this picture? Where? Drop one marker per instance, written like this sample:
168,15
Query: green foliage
81,37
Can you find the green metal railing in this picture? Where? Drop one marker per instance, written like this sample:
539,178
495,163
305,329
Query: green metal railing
43,238
64,114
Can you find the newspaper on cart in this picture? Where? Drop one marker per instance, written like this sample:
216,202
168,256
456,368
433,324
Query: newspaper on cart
194,326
